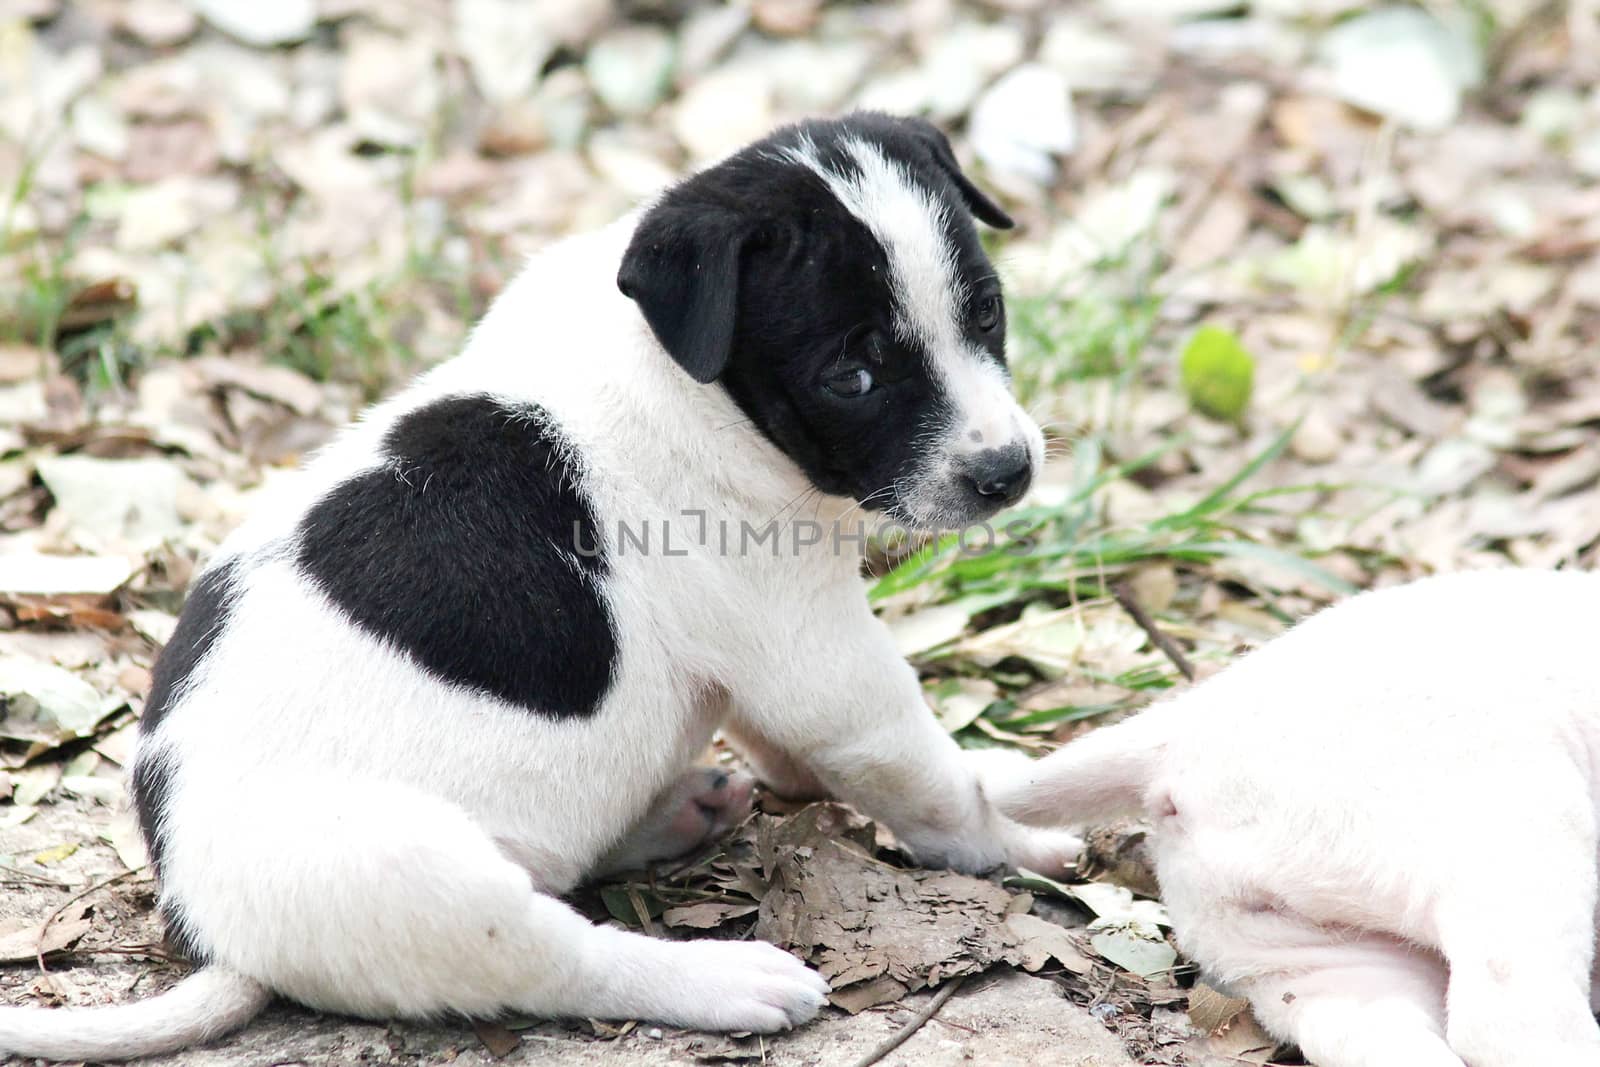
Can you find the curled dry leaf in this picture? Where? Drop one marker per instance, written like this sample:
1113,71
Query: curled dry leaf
1039,940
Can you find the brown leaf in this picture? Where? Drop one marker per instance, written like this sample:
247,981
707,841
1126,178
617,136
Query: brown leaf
1118,853
124,837
265,381
98,302
860,920
1041,940
1242,1042
707,915
858,998
497,1040
20,942
726,1050
1211,1011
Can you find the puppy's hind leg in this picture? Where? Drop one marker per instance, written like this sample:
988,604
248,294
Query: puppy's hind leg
1367,1002
399,904
1520,977
1520,981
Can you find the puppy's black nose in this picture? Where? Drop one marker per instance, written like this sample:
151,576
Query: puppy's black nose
1001,474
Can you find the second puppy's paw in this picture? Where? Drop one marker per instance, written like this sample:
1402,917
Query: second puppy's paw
707,804
1052,853
701,806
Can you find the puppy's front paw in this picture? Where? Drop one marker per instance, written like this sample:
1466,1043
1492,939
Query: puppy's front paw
747,985
1052,853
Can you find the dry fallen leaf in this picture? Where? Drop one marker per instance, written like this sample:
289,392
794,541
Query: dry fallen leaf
1211,1011
124,837
861,920
707,915
1118,853
497,1040
1040,940
1242,1042
20,941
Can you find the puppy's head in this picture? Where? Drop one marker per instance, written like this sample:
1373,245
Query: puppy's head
830,278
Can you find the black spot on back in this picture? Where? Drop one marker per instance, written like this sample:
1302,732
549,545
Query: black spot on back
205,613
467,550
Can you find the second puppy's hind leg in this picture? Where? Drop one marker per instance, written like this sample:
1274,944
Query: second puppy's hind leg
702,805
402,905
1520,984
1363,1002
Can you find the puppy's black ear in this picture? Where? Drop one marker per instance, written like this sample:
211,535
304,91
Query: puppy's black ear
682,269
978,202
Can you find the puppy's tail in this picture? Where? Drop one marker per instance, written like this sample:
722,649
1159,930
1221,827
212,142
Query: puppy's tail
1101,775
205,1005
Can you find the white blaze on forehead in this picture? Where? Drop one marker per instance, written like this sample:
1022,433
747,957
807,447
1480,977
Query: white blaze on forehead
909,222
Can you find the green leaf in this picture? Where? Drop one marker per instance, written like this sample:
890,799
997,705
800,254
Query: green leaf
1135,947
623,902
1218,374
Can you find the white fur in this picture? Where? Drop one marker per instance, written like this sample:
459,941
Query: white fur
205,1005
350,832
1382,827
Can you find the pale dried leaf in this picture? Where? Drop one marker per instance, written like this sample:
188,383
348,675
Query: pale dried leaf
1040,940
20,939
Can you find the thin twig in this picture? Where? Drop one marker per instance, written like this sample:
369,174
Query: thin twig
17,876
899,1037
38,947
1125,597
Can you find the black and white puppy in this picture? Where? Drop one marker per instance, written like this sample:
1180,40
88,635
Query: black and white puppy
1329,817
442,679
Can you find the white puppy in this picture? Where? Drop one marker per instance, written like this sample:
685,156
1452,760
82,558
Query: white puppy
486,632
1381,828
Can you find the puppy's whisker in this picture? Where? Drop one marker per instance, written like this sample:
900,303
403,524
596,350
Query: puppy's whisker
861,505
798,497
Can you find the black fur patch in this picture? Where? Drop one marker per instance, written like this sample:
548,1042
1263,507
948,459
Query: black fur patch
205,613
473,551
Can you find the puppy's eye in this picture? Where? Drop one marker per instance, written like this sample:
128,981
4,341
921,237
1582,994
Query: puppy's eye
854,382
986,316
